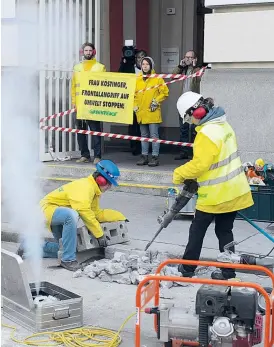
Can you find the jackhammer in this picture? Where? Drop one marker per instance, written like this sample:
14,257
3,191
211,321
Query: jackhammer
189,189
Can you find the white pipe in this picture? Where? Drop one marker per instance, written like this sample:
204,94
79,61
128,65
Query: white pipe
84,29
64,64
42,108
90,21
50,35
97,28
49,106
77,30
57,65
71,60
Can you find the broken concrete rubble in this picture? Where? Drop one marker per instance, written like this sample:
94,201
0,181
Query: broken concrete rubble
125,268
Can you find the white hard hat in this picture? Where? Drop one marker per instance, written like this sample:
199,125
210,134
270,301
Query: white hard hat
186,101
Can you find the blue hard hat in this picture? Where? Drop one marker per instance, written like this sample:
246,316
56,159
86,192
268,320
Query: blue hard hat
109,170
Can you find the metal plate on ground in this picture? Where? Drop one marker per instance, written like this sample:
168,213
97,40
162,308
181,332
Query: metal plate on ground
14,283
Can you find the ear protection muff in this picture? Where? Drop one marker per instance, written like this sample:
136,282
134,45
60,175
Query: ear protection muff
202,109
101,181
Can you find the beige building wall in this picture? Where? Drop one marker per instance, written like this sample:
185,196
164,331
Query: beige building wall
239,44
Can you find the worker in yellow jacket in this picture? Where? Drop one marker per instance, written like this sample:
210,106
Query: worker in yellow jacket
89,64
147,107
63,207
223,187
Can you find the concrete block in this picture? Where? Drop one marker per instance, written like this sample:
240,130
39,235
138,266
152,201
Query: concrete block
97,266
115,268
132,262
119,257
122,278
115,232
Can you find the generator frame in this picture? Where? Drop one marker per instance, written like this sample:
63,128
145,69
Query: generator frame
149,288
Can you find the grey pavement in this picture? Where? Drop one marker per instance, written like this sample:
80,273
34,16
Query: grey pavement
142,212
108,304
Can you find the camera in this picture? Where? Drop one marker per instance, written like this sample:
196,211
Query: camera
128,50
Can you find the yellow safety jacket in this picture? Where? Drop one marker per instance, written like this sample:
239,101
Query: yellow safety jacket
218,169
225,179
83,196
87,65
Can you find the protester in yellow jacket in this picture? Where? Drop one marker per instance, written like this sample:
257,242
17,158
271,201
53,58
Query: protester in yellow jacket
147,106
217,167
89,64
80,199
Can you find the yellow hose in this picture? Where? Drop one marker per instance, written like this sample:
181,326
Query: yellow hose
81,337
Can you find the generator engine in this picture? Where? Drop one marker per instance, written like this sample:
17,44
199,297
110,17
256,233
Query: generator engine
225,317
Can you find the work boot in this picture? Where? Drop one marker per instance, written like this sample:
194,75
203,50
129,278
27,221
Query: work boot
143,160
83,160
96,161
184,272
70,265
154,161
222,275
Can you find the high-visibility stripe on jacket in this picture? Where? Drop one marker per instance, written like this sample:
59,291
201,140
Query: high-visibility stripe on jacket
225,180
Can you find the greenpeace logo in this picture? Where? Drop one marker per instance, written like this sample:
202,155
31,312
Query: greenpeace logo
103,113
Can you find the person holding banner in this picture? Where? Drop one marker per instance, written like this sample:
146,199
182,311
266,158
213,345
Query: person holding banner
88,64
147,106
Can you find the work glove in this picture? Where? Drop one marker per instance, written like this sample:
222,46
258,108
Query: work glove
135,109
154,105
102,241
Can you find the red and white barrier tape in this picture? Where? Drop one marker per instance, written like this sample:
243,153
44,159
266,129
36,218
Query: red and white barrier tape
115,136
56,115
170,75
183,77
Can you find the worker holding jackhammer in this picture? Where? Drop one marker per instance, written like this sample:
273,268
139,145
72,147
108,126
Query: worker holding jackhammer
78,199
223,187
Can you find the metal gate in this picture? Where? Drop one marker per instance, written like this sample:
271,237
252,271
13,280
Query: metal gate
64,25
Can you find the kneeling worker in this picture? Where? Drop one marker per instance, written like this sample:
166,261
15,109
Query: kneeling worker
223,187
64,206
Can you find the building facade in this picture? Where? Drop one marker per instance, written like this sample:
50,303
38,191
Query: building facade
234,36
